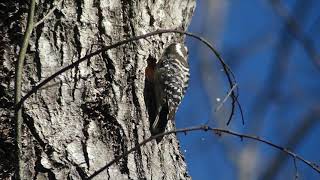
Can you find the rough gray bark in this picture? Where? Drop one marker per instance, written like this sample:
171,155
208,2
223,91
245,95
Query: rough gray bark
88,116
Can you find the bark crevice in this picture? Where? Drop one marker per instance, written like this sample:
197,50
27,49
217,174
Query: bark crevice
88,116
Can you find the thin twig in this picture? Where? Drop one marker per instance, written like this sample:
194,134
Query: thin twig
225,98
47,15
240,109
308,121
18,87
217,131
296,174
285,150
227,70
140,145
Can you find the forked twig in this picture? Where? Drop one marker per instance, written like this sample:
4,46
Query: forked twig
47,15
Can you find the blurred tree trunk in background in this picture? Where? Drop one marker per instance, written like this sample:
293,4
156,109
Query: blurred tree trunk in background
95,112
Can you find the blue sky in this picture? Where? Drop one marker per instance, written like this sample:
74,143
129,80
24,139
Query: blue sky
246,25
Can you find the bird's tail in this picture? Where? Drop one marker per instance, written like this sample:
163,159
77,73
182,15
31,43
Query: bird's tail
160,123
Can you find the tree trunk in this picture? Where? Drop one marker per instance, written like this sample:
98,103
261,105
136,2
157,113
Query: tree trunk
95,112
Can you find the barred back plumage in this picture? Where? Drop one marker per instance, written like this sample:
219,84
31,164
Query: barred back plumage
171,80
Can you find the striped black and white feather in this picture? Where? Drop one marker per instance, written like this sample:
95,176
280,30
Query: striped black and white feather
171,80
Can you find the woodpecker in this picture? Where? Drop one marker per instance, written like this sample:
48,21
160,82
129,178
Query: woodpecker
171,78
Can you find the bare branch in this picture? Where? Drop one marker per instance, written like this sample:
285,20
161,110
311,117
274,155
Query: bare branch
303,128
217,131
47,15
251,46
226,68
18,90
296,174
